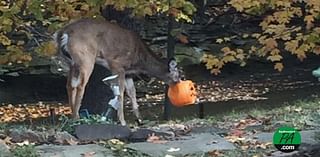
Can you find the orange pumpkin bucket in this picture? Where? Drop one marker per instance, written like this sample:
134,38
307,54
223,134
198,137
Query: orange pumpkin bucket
183,93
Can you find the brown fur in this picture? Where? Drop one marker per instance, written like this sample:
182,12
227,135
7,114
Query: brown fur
93,41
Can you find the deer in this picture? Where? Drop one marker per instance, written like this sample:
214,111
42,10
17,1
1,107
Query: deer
86,42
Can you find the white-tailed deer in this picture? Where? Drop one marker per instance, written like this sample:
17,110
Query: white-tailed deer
88,41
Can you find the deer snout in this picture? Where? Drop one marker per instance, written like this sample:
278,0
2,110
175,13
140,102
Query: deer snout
173,78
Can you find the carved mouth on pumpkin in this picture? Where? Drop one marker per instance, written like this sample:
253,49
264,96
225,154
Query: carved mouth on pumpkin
182,93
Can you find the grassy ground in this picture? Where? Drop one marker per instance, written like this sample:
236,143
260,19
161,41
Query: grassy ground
302,115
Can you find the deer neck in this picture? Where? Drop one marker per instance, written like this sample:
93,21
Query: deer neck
151,64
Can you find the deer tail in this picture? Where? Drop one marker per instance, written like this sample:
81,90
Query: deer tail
62,38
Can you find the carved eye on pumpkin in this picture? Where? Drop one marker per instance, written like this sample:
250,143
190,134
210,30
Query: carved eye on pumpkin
182,93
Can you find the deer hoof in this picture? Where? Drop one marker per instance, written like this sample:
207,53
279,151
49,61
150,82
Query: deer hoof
139,122
123,123
75,116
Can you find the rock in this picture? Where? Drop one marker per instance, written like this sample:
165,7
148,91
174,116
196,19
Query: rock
208,129
141,135
73,151
308,150
304,150
282,154
88,132
63,138
27,135
196,143
4,150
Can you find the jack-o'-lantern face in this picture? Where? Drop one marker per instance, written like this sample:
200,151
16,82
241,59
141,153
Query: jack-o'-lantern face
182,93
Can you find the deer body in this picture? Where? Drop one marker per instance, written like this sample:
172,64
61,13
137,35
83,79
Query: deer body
88,41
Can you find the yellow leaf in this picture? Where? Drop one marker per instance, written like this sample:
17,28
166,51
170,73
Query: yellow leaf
240,56
256,35
238,6
85,7
220,64
225,49
278,66
316,50
239,50
4,40
301,55
245,35
242,64
20,42
271,43
291,45
309,18
211,62
275,52
215,71
282,17
274,58
228,58
227,39
219,41
253,49
266,21
316,29
183,39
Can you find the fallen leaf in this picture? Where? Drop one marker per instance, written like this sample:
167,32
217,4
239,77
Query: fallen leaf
236,132
4,144
88,154
219,41
25,143
245,147
7,140
173,149
215,153
156,139
72,142
183,39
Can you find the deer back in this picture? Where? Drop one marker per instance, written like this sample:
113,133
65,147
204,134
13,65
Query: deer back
89,41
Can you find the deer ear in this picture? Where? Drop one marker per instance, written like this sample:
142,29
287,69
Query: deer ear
172,65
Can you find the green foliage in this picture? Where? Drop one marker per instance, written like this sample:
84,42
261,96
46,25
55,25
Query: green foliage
25,151
67,124
25,26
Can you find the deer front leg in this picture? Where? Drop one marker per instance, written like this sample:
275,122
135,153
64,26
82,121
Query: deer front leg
131,92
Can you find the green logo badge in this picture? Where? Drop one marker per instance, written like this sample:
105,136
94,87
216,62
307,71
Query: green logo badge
287,139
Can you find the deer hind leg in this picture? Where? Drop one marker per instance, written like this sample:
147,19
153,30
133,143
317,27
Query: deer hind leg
71,91
131,92
77,82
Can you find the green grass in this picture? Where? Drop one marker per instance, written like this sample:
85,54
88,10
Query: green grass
25,151
302,114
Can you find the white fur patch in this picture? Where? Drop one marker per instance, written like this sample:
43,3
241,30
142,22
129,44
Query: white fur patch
55,37
64,41
75,81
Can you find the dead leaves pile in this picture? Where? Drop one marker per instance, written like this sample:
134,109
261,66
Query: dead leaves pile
22,112
245,139
156,139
